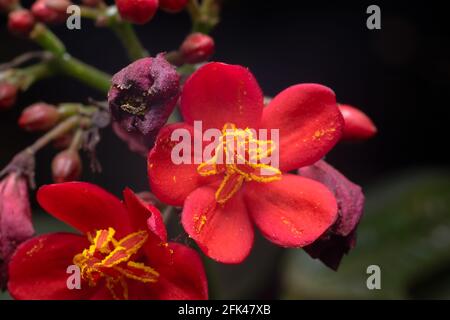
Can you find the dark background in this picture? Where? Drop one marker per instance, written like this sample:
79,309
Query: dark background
399,75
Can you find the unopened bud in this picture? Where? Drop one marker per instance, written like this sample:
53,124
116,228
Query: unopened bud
66,166
197,47
51,11
358,126
21,22
172,6
39,117
8,95
137,11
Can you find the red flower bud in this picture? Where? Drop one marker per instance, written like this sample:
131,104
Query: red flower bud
15,218
21,21
39,117
66,166
358,125
8,95
172,6
63,142
137,11
50,11
8,5
197,47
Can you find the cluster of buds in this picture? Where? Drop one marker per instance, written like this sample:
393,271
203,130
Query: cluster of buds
22,21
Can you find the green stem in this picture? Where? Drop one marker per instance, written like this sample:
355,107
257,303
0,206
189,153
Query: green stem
84,73
204,16
126,34
68,65
62,128
27,76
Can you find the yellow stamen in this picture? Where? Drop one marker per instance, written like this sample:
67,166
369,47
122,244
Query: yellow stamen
238,156
111,259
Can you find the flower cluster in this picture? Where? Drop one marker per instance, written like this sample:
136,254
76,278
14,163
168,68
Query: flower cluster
258,165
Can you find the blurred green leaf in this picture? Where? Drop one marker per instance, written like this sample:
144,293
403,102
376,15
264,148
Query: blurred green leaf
405,231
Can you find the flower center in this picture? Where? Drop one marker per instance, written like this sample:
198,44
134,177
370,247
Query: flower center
111,260
239,157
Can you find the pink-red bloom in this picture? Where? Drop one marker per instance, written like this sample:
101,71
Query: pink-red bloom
15,218
122,251
221,203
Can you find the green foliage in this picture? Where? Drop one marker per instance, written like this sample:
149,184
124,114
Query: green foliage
405,231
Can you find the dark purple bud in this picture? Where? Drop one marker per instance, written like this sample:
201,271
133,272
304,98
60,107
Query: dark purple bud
341,236
15,218
142,97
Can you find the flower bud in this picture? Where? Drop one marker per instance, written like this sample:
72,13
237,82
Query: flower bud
8,95
8,5
50,11
15,218
66,166
197,47
39,117
21,22
358,125
137,11
142,97
172,6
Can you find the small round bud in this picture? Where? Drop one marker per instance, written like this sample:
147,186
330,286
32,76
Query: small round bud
8,95
66,166
21,22
39,117
358,126
137,11
8,5
50,11
172,6
197,47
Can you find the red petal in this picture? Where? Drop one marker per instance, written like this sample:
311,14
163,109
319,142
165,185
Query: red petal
218,93
38,269
223,232
309,121
185,278
144,216
358,126
292,212
85,207
171,182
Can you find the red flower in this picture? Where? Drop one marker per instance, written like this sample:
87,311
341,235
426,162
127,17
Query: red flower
222,202
122,254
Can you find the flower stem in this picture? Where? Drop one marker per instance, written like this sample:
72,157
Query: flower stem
61,129
27,76
68,65
126,34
